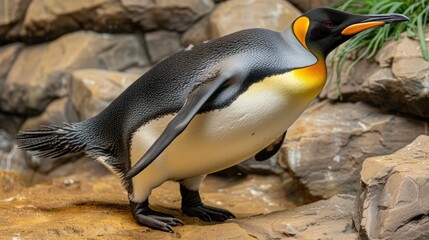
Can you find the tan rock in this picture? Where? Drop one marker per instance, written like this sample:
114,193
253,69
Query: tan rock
162,44
86,206
8,55
328,219
167,14
93,89
305,5
398,79
326,146
56,113
198,33
11,12
235,15
41,72
49,19
392,203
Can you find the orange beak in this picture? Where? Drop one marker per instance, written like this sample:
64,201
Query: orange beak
373,21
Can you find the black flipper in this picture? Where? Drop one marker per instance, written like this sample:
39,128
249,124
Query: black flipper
196,99
271,149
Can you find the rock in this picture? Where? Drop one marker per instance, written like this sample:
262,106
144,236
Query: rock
328,219
305,5
10,183
235,15
41,72
198,33
56,113
392,203
8,55
162,44
92,90
86,206
397,80
11,13
326,146
171,14
10,123
50,19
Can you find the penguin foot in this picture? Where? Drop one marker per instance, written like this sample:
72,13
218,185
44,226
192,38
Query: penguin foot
153,219
208,213
193,207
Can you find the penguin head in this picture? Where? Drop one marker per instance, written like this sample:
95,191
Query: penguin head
323,29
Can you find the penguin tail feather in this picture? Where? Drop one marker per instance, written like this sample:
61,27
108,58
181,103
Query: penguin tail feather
52,141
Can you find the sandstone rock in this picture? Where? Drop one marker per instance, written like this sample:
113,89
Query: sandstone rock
11,13
398,79
329,219
235,15
49,19
162,44
393,200
10,123
92,90
326,146
41,72
167,14
305,5
56,113
10,183
86,206
198,33
8,55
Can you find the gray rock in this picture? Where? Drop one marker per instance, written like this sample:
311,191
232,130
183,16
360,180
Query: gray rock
393,200
162,44
326,146
235,15
41,72
93,89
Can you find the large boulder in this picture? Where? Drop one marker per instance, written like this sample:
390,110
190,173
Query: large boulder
8,54
11,13
167,14
235,15
393,199
41,72
162,44
49,19
93,89
305,5
397,79
326,146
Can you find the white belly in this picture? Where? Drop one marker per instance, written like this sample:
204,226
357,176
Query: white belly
221,138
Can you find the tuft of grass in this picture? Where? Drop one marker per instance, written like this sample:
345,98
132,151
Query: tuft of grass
367,43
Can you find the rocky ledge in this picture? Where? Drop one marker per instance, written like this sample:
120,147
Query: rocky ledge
87,206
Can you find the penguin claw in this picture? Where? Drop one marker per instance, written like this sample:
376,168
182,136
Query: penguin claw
208,213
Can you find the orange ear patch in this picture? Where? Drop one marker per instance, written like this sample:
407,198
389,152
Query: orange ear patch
359,27
300,29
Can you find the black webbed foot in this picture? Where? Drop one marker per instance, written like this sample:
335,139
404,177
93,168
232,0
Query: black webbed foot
153,219
193,207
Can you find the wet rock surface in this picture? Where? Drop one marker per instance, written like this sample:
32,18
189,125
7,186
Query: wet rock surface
94,206
326,146
393,200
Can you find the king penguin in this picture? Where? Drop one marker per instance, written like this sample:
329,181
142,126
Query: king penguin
207,108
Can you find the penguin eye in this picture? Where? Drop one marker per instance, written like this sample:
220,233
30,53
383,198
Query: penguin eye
329,25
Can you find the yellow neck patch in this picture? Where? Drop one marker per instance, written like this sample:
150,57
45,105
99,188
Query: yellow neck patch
300,29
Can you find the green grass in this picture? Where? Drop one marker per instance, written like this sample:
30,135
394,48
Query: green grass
367,43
